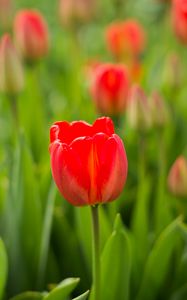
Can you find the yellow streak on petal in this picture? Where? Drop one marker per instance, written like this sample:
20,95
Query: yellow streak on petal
92,168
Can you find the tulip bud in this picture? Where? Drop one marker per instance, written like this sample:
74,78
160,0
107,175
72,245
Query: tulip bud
179,19
125,39
159,110
76,11
6,10
11,71
138,109
31,34
173,71
88,162
110,88
177,179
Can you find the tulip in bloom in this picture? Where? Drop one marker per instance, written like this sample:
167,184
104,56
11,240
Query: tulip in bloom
179,19
76,11
110,88
89,163
11,71
177,179
31,34
125,39
138,109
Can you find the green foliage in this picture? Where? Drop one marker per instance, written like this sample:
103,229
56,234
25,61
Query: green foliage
144,255
3,268
116,269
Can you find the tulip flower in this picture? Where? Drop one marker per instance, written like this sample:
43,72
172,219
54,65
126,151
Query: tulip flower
76,11
89,163
138,109
110,88
179,19
11,71
31,34
177,178
125,39
6,9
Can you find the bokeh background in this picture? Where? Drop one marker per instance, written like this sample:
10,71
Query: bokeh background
143,233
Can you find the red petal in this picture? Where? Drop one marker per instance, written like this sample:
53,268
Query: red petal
67,132
59,131
67,173
103,125
114,167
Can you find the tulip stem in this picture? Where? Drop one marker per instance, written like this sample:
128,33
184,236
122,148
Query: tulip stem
96,251
13,105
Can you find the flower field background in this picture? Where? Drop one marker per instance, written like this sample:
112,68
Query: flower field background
45,244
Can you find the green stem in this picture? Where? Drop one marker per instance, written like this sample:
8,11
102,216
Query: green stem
96,251
13,105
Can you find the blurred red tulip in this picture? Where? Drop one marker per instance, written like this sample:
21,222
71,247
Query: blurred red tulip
177,179
6,10
110,88
11,71
125,39
179,18
138,109
76,11
31,34
89,163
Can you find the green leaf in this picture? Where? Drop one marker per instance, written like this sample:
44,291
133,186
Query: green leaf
180,294
3,267
116,264
62,290
29,296
46,232
82,297
83,225
158,262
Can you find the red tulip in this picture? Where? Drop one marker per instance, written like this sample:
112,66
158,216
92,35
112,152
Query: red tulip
89,163
125,39
110,88
31,34
179,18
177,179
11,70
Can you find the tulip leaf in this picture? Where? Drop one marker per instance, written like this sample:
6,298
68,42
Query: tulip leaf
180,294
3,267
62,290
46,231
31,217
83,219
116,264
158,261
82,297
30,295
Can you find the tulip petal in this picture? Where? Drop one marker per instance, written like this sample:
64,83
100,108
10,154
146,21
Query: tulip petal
114,167
88,150
104,125
67,173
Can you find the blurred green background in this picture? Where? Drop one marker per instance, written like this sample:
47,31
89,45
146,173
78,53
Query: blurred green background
45,240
